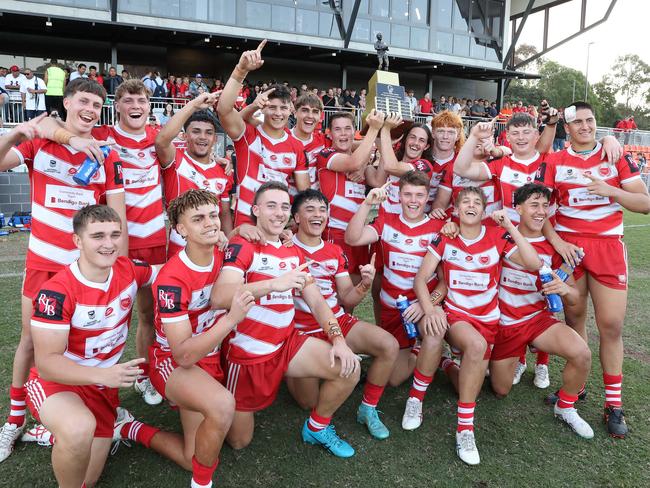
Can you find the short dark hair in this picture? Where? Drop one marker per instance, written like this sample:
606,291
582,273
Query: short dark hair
521,119
93,67
280,92
415,178
190,199
340,115
84,85
269,185
528,190
305,196
93,213
468,190
583,105
81,65
201,116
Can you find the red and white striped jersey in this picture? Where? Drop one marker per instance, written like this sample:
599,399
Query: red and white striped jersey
96,315
56,198
186,173
345,196
328,262
261,158
440,168
578,210
182,292
520,297
509,174
404,245
454,183
142,184
316,143
472,271
269,322
392,204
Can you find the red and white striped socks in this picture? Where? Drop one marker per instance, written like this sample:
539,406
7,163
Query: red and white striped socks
138,432
316,422
420,384
202,474
565,400
465,416
17,410
613,386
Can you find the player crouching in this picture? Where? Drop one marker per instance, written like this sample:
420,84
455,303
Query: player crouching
526,320
329,266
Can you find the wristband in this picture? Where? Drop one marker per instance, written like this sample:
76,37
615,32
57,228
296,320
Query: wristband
238,75
551,125
62,136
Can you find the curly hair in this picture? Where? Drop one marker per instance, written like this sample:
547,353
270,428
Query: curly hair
190,199
450,119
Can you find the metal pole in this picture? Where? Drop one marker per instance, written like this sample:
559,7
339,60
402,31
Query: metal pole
587,71
573,97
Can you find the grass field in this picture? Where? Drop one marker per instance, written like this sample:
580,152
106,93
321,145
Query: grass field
520,442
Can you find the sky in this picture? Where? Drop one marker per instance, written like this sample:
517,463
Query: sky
626,31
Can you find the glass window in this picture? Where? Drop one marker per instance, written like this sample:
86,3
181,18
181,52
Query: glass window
194,9
419,11
380,8
461,45
495,16
444,42
134,6
310,3
361,30
327,25
491,52
306,21
419,39
443,14
478,16
400,35
477,48
461,14
363,7
399,10
172,8
284,18
384,28
223,11
258,15
98,4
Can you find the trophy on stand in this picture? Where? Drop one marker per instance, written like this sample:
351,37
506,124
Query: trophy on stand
386,95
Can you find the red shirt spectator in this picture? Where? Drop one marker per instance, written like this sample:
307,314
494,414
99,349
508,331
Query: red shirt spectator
426,105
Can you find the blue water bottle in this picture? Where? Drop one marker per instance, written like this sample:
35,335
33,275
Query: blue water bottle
553,300
566,270
402,303
89,168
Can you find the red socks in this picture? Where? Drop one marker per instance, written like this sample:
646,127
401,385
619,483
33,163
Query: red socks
465,416
139,432
420,384
316,423
17,411
565,400
542,358
371,394
201,474
613,387
145,371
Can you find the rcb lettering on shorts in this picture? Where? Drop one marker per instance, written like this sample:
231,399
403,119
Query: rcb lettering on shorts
553,300
89,168
402,303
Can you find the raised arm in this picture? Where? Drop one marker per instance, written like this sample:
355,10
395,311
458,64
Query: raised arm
344,163
465,165
22,132
351,295
357,232
545,141
525,255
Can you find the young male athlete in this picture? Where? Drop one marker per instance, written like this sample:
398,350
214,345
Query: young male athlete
592,194
404,238
79,327
185,357
329,267
264,153
55,199
345,196
471,263
525,318
265,346
193,167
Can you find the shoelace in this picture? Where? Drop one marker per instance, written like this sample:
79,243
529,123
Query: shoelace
330,438
412,409
150,389
542,373
467,442
6,436
116,445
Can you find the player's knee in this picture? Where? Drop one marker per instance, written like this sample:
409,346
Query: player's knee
240,440
501,389
431,343
388,347
220,410
582,357
76,433
474,349
610,329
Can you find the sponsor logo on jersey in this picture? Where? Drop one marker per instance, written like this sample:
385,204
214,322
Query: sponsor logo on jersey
119,176
604,170
409,241
631,163
72,171
232,251
52,167
169,298
126,303
424,243
282,265
484,260
109,312
91,314
469,258
49,305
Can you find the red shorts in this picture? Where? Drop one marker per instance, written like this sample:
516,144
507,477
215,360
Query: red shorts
357,255
33,280
605,259
511,341
391,321
150,255
488,331
346,322
256,385
162,364
101,401
377,249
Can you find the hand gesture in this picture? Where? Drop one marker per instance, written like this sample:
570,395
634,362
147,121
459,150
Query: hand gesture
378,195
286,237
252,60
367,271
612,149
225,163
502,219
557,286
483,130
393,119
29,130
204,101
599,187
438,213
356,176
90,147
349,360
375,119
222,241
262,100
296,279
252,234
551,116
242,302
122,375
450,230
570,253
434,323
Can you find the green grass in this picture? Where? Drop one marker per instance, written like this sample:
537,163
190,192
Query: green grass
520,442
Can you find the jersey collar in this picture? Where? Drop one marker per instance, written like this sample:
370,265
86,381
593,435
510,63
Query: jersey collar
192,265
525,161
596,149
468,242
309,249
284,137
128,135
413,225
76,272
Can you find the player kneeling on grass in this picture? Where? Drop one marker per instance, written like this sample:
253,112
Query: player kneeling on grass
185,357
329,267
526,320
266,346
79,327
471,263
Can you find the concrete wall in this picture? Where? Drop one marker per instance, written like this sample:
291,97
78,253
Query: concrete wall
14,193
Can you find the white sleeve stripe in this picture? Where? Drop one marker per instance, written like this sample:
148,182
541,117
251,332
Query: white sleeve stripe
115,191
631,178
20,155
172,320
232,268
46,325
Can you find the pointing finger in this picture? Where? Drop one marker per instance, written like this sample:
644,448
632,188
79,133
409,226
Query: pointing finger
372,259
303,266
261,46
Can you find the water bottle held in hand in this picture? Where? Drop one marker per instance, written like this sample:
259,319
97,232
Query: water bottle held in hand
89,168
553,300
402,303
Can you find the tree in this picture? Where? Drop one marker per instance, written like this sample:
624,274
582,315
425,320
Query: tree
631,77
523,52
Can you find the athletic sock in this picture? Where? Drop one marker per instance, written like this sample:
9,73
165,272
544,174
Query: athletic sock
316,422
420,384
565,400
446,364
371,394
139,432
17,409
522,359
613,387
465,416
415,349
582,390
145,372
542,358
201,474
